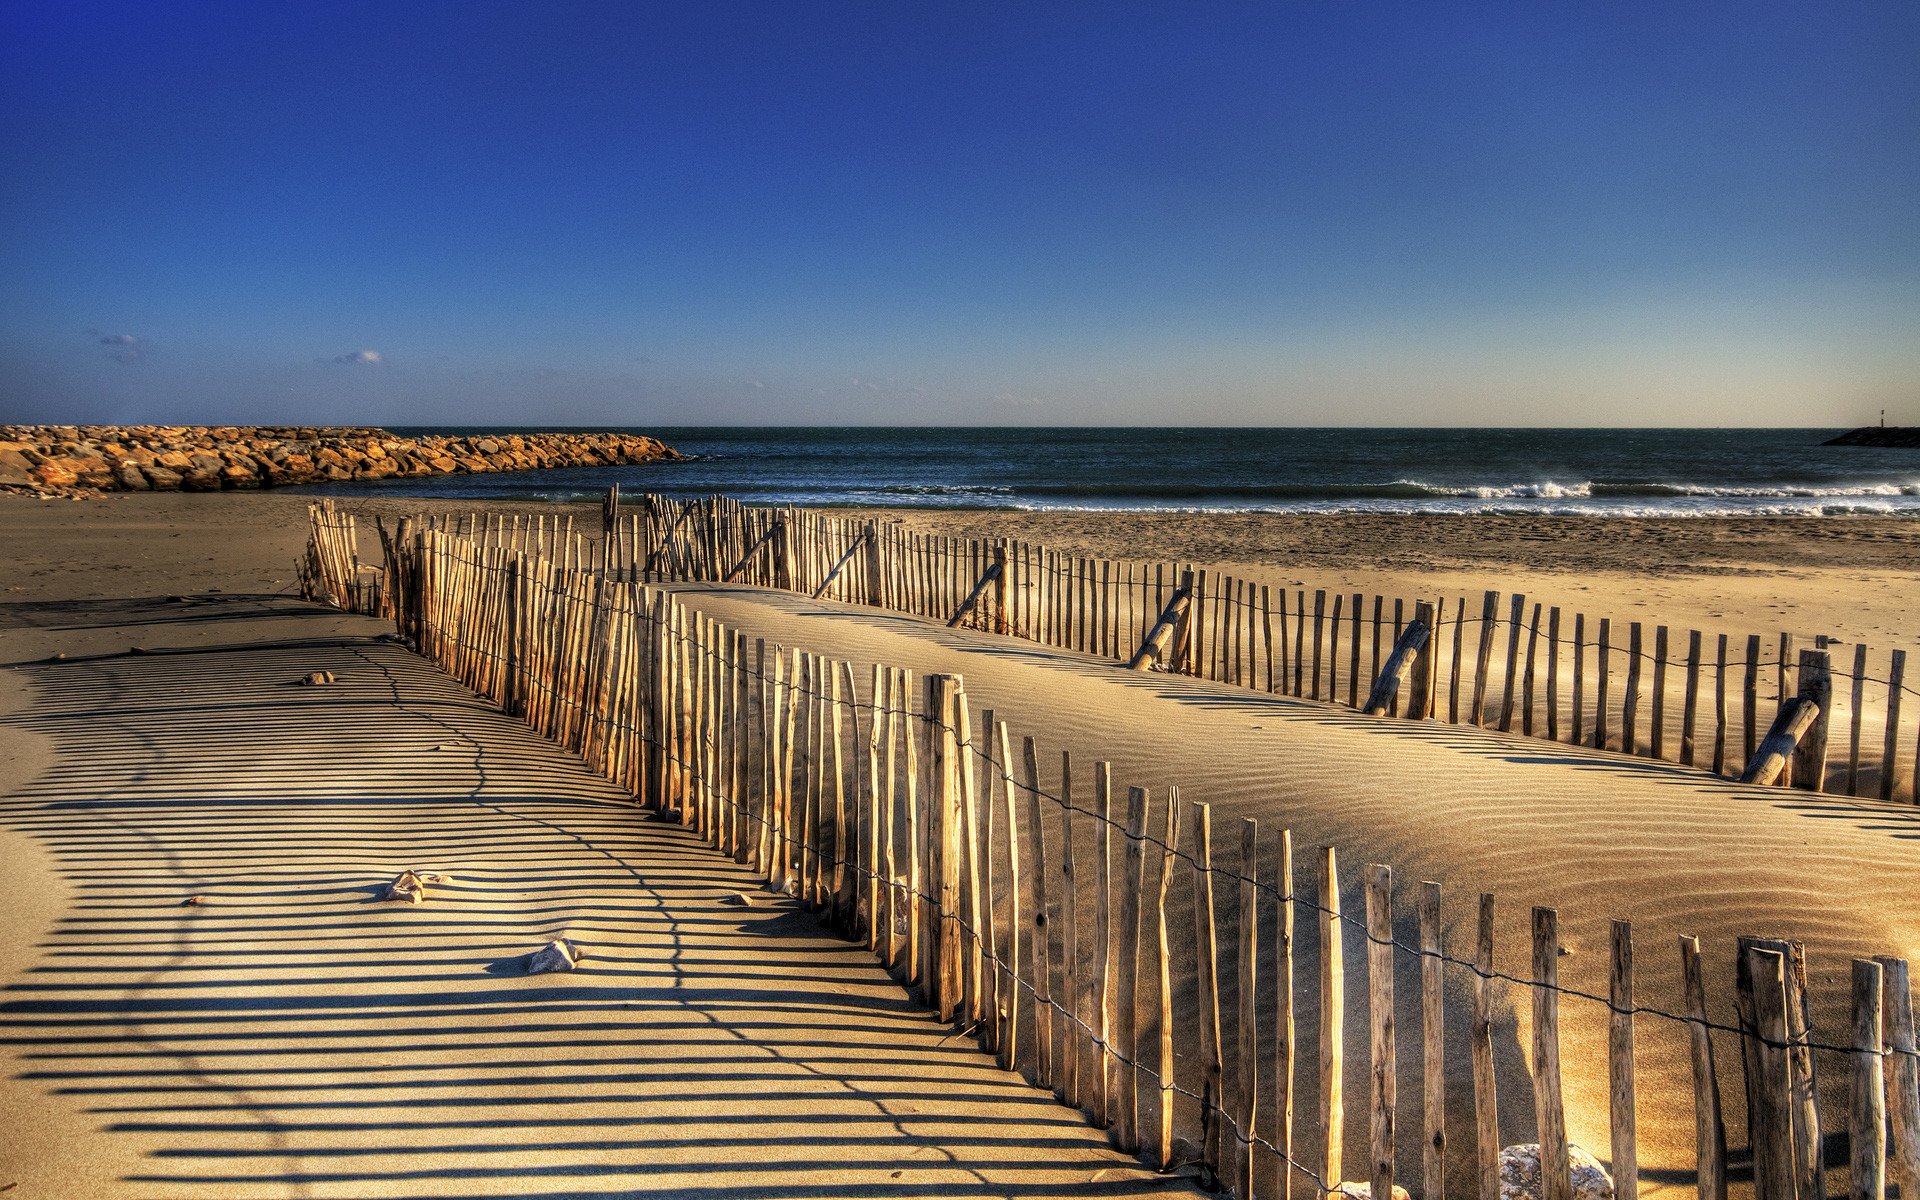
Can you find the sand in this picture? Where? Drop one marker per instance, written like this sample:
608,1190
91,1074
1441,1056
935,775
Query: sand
1593,835
294,1036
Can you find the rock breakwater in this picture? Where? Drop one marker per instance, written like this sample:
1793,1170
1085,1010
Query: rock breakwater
81,460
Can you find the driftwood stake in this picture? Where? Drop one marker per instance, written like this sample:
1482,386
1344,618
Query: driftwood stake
1152,653
1387,688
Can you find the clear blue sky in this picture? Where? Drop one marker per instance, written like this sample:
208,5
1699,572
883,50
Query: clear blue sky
1335,213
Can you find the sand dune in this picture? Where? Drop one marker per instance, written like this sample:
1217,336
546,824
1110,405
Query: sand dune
1594,835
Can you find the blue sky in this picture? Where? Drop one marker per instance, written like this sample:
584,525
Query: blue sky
947,214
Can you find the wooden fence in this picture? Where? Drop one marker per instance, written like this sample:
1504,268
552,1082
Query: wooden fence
1092,935
1497,661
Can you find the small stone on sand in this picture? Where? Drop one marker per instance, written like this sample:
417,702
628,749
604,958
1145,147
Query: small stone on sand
557,955
1520,1174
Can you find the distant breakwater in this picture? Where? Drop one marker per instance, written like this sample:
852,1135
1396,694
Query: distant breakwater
1898,437
82,460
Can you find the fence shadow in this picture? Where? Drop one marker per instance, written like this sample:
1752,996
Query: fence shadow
227,997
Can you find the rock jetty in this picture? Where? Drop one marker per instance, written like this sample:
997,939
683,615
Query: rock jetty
83,460
1900,437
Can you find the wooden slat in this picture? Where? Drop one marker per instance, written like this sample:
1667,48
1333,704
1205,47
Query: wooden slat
1071,1052
1690,705
1382,1051
1206,960
1889,759
1433,1058
1867,1112
1577,711
1483,658
1855,716
1602,682
1710,1131
1163,945
1509,682
1630,702
1770,1118
1657,716
1126,1048
1553,673
1332,1020
1485,1089
1007,946
1285,1048
1319,638
1103,945
969,924
1527,679
1247,1091
1620,1097
1453,663
880,853
1900,1074
1550,1119
1040,937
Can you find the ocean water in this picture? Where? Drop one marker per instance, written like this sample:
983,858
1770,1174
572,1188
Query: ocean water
1571,472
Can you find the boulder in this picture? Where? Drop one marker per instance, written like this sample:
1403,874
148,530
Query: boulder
162,479
54,473
15,470
131,478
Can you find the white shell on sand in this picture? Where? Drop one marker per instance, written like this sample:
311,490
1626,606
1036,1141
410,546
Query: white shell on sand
1520,1174
410,887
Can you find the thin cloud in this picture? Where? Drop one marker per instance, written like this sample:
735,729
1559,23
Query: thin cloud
358,358
122,347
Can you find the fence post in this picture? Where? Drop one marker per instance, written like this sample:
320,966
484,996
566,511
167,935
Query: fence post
947,817
1770,1122
1810,755
1556,1181
1867,1114
1901,1074
1382,1050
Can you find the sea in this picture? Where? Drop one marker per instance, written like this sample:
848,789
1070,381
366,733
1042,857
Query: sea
1552,472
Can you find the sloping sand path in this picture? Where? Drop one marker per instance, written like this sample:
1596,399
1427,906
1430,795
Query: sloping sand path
294,1036
1596,836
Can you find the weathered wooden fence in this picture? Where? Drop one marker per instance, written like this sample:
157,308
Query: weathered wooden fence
1498,661
1092,935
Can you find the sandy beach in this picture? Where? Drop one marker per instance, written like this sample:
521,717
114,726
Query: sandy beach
1592,834
204,996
